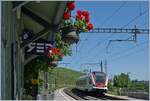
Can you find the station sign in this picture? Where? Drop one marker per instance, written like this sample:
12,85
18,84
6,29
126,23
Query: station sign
38,47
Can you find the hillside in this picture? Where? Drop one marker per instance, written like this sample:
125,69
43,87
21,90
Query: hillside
63,77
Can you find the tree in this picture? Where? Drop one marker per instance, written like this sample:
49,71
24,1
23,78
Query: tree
122,81
110,85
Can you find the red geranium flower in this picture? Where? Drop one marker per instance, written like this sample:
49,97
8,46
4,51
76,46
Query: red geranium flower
71,5
87,18
51,55
85,13
79,12
60,55
66,15
55,50
90,26
79,17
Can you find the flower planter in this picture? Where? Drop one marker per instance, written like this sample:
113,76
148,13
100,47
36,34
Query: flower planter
70,34
54,63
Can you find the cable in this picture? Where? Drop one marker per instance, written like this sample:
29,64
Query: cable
129,54
115,54
132,20
109,17
140,7
124,50
144,24
136,17
123,26
115,12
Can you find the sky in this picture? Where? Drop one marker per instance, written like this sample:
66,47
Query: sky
122,57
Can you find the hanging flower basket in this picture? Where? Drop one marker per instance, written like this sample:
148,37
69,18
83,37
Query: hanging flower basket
72,26
70,34
54,54
53,63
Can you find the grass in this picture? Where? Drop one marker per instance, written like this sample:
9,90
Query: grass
65,77
60,77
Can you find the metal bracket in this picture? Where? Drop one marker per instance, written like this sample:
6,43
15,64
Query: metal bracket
132,38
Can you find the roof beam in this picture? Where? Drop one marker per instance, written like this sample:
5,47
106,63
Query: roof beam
54,27
39,35
35,37
35,17
19,4
61,6
30,58
42,22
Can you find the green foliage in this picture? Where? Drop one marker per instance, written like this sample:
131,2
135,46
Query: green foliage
122,81
81,24
64,47
28,97
110,85
31,71
64,76
140,85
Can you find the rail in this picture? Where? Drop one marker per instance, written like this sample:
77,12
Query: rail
79,95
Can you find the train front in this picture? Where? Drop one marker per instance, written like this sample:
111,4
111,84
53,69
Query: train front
100,81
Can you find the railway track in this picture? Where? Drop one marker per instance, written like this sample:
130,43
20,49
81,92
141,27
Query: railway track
80,95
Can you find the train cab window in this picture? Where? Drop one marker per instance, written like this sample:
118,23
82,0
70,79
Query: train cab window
100,78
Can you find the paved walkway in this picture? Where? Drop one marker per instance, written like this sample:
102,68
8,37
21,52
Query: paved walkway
60,95
124,97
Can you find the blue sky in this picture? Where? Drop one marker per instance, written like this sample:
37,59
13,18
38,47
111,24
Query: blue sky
122,57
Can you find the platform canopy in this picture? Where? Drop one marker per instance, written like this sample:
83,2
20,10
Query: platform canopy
41,17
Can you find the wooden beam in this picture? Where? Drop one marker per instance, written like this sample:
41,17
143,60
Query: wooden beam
19,4
30,58
35,17
61,6
37,36
48,27
57,17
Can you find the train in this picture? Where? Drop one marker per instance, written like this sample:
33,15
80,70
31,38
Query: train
95,81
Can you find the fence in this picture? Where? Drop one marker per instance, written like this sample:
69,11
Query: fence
139,94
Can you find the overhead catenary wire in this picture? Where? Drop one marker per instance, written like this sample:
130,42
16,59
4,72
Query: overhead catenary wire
115,54
115,12
140,7
126,50
136,17
132,20
99,43
98,51
108,18
130,54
